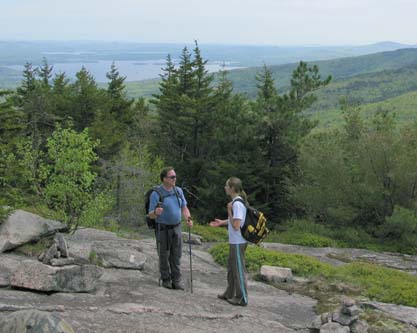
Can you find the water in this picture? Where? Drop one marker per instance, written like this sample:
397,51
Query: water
133,70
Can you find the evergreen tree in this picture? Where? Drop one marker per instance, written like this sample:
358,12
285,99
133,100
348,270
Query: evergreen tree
86,99
62,98
45,73
116,117
283,126
11,128
119,104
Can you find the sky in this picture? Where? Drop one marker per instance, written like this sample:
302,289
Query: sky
252,22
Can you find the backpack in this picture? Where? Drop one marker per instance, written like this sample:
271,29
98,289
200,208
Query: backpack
149,221
254,229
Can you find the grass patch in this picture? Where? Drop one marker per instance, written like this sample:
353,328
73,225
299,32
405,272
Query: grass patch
373,281
35,248
210,234
308,233
301,238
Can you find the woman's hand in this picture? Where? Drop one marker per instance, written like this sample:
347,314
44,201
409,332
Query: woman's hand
216,223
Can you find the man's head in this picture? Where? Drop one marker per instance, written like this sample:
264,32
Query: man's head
168,175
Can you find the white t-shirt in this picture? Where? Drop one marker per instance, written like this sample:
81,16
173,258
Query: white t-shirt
239,212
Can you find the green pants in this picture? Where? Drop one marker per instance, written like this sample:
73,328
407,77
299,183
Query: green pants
236,274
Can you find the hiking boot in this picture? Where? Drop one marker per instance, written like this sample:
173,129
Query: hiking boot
166,284
177,286
222,296
235,301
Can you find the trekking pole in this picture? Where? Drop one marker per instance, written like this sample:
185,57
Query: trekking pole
158,245
191,262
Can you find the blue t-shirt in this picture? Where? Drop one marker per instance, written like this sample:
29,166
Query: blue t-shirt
171,204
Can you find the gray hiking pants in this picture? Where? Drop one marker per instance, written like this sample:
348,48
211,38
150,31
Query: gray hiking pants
169,244
236,276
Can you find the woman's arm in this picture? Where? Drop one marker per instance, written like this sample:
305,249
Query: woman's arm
218,223
236,224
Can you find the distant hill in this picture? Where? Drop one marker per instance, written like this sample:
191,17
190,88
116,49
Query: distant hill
17,53
403,106
244,80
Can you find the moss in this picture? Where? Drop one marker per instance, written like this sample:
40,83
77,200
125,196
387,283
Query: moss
95,259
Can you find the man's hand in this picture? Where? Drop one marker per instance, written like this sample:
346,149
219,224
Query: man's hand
189,222
158,211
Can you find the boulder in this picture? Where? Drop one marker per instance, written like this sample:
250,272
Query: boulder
118,254
276,274
22,227
359,326
80,243
34,321
34,275
334,328
61,245
8,264
194,239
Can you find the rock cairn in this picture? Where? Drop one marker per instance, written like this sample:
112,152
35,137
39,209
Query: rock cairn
344,320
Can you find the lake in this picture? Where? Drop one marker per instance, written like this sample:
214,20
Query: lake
133,70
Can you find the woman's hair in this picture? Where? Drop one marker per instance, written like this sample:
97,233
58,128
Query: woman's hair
236,184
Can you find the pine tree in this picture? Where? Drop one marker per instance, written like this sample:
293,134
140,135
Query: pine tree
86,99
45,73
284,125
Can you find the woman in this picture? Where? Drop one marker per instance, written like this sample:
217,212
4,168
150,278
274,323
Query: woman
236,291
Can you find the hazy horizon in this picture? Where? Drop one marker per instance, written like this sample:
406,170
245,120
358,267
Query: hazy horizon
202,43
235,22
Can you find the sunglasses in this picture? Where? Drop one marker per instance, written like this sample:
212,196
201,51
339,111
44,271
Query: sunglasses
171,177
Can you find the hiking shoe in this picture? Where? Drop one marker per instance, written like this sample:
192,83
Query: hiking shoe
222,296
177,286
234,301
166,284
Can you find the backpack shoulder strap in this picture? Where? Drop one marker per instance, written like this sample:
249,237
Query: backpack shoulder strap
242,201
177,195
157,189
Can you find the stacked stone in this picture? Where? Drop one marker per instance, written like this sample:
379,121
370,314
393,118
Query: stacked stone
58,249
344,320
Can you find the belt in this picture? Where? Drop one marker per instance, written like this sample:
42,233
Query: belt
167,226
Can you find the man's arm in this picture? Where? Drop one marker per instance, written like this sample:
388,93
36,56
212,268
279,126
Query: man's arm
187,216
154,210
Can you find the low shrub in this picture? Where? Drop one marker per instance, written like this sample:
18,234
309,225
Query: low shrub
257,256
380,283
301,238
373,281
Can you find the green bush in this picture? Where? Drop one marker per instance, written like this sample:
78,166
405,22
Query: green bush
4,213
402,228
376,282
257,256
381,283
301,238
93,216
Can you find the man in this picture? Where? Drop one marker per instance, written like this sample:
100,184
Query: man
168,227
